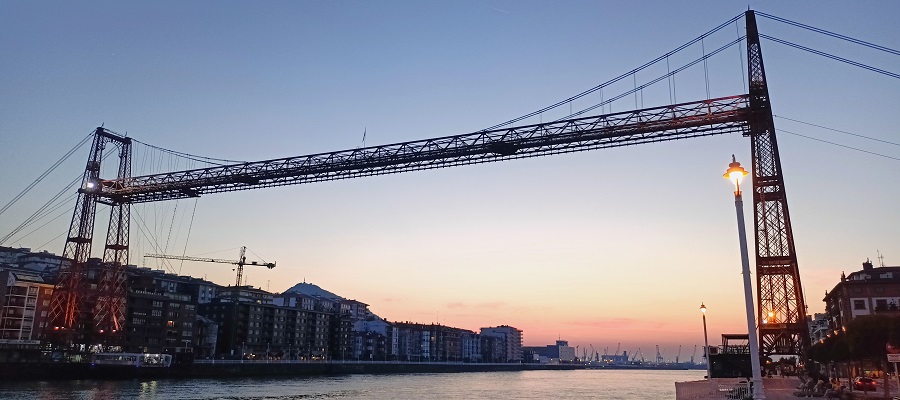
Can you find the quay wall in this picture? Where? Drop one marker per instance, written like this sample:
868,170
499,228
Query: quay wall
223,369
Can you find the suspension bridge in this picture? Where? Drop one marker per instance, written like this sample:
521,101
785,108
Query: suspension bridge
92,309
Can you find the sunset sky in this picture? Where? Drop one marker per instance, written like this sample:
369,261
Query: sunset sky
599,248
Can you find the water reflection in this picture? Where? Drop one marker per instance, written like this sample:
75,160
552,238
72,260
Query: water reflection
577,384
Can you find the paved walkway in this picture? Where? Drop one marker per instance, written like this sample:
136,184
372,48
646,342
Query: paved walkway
775,389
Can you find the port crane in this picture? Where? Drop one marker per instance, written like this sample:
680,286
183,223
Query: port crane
240,262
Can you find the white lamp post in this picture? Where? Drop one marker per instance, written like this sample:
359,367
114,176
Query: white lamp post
705,342
735,173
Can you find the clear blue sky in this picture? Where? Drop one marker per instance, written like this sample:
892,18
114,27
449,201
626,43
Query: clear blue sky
617,245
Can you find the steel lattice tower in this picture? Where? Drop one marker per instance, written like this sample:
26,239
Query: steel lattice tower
88,303
781,312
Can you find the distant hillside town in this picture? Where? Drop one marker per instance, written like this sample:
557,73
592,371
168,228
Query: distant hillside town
192,318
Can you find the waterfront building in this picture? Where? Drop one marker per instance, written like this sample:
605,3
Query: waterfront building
470,346
207,334
316,330
550,354
246,320
374,339
161,312
507,347
867,291
435,342
25,301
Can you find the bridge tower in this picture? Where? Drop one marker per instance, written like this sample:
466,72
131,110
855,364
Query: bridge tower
87,310
781,312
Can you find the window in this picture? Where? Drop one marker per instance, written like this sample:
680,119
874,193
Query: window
881,304
157,304
137,321
156,313
46,303
859,304
186,333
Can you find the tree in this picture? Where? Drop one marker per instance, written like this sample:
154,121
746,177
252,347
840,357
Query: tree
864,339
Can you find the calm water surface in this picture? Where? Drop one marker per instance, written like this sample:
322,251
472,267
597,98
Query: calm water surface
582,384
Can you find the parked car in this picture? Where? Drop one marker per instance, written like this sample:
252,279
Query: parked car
863,383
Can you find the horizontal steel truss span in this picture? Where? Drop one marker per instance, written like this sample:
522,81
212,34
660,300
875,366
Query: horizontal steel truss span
680,121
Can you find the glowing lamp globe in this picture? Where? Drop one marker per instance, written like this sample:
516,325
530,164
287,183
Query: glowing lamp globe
735,173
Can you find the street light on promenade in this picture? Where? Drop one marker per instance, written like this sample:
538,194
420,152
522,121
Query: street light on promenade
705,342
735,173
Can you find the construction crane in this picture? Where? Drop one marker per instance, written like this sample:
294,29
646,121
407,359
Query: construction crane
693,354
679,354
241,262
659,357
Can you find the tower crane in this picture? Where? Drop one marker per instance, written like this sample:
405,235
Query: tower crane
241,262
679,354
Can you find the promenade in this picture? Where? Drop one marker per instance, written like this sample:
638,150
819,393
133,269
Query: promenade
775,389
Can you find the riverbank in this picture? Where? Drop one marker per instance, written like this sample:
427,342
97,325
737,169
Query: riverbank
230,369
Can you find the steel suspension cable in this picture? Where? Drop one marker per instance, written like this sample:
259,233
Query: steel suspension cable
831,56
40,211
832,34
142,228
618,78
47,172
840,145
188,237
654,81
837,130
208,160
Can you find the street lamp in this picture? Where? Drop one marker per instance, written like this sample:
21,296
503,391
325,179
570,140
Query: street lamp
705,342
735,173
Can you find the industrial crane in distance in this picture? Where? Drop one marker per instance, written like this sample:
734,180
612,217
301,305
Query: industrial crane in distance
240,262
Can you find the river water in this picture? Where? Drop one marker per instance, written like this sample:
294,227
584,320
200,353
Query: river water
578,384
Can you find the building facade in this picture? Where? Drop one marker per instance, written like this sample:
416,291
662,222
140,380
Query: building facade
865,292
161,313
508,347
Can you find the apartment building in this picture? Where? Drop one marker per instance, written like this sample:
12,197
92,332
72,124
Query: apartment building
868,291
